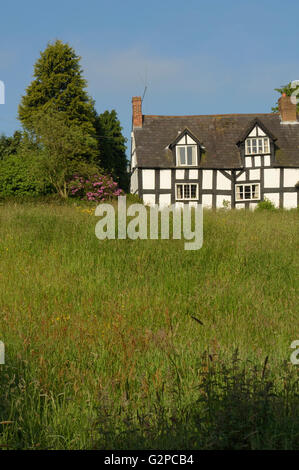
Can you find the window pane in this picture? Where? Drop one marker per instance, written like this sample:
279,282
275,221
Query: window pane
254,146
260,145
266,145
248,142
247,192
191,155
179,190
187,191
255,191
182,156
193,191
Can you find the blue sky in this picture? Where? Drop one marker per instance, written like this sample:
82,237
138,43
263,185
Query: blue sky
196,57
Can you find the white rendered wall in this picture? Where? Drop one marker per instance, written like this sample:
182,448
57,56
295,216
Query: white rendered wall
254,174
133,151
189,140
260,132
134,182
165,179
290,200
257,160
207,179
207,200
149,199
267,160
290,177
179,174
222,181
271,177
193,174
248,162
148,179
164,200
182,141
242,177
220,199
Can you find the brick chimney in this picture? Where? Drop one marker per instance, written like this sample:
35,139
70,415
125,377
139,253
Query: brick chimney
287,109
137,111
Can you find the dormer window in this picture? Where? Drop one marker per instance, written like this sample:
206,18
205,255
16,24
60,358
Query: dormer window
186,155
257,145
186,149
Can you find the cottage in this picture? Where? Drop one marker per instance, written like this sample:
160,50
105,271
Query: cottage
229,160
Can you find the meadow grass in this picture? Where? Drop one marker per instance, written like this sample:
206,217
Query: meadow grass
102,350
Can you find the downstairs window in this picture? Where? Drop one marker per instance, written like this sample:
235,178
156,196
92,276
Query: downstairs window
186,192
247,192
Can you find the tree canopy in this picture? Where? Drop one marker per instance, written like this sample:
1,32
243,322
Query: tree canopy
58,84
80,136
61,149
10,145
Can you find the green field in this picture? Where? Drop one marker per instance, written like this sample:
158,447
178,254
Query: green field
102,350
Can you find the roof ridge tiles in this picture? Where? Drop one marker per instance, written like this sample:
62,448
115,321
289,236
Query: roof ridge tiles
208,115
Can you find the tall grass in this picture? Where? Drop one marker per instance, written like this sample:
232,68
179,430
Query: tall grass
102,350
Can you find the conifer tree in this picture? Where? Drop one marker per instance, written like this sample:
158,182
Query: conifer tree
58,84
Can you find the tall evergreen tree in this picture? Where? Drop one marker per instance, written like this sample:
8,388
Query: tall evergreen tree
112,147
59,85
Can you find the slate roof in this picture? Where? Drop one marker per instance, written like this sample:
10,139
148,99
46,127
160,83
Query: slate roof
219,134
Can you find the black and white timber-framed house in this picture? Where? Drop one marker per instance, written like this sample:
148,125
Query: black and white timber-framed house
232,160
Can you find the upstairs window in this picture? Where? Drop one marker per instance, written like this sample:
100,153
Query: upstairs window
186,155
257,145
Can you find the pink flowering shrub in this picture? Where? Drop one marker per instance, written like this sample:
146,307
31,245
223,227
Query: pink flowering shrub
96,188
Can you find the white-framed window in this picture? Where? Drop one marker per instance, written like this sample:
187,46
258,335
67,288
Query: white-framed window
257,145
186,155
186,191
247,192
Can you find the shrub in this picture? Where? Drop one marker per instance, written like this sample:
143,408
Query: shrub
226,204
266,204
134,199
16,178
95,188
